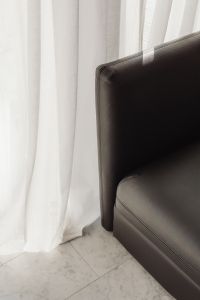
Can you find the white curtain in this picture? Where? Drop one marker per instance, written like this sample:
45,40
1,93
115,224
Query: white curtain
49,50
147,23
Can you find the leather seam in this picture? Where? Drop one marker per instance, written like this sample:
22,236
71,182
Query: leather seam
174,251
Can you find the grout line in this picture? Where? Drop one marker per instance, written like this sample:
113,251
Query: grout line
78,291
84,259
9,260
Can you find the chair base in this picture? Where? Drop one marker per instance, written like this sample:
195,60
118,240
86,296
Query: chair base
154,257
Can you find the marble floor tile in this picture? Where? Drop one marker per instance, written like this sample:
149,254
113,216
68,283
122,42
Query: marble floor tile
93,267
128,281
100,249
50,276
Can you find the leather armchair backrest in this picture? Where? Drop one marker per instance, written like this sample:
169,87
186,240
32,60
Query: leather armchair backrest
144,111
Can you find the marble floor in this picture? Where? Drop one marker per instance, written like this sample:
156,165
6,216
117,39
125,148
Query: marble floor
93,267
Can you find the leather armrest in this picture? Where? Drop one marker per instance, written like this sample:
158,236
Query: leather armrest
144,111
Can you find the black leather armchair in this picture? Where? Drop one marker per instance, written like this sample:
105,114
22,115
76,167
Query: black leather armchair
148,120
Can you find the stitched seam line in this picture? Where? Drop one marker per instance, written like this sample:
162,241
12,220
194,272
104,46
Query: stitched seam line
180,257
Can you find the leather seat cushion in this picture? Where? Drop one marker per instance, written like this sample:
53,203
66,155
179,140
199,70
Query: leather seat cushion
165,197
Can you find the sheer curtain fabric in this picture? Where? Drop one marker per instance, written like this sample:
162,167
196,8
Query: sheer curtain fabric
49,180
147,23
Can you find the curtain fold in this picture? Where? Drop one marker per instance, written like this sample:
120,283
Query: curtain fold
147,23
98,42
171,19
131,26
49,50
